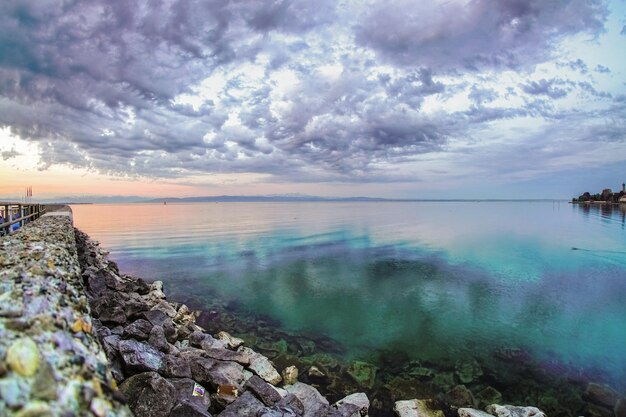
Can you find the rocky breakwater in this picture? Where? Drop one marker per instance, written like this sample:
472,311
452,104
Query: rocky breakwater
166,365
51,363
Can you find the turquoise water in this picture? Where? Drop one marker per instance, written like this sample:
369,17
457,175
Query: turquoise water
435,280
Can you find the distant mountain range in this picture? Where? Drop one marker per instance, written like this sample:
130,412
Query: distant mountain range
259,198
239,198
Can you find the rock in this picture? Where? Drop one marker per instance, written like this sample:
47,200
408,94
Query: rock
185,409
35,409
416,408
363,373
44,386
165,307
139,329
156,317
175,367
354,405
149,395
227,355
290,375
157,339
514,411
14,392
468,371
139,357
261,366
200,367
620,408
315,372
471,412
244,406
226,373
232,342
313,403
23,357
189,392
460,396
601,395
444,380
489,395
262,390
109,309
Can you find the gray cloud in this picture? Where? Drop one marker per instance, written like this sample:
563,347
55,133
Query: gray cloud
482,33
98,84
550,88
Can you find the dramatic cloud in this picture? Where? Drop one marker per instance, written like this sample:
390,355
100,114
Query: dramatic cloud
295,90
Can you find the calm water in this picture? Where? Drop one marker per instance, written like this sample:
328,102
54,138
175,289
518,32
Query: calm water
437,280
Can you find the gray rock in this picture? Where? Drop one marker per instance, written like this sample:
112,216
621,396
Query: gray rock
261,366
345,410
185,393
601,394
226,373
156,317
471,412
290,402
149,395
245,406
157,339
227,355
139,357
313,402
109,309
139,329
514,411
353,405
262,390
416,408
232,342
200,367
175,367
185,409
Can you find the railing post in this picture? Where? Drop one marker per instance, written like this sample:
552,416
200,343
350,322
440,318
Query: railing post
20,209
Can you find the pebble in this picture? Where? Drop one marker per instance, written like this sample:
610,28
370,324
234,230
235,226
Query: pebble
23,357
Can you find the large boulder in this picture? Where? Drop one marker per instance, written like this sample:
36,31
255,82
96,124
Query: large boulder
139,356
313,402
149,395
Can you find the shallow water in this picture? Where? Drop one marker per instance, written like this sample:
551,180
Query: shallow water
436,280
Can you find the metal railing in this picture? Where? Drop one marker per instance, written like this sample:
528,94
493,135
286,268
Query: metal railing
19,214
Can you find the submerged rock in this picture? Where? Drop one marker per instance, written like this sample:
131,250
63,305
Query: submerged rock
601,394
363,373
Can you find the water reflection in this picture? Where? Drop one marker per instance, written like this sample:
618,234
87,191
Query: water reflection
430,280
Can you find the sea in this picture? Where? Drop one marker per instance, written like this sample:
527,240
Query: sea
431,283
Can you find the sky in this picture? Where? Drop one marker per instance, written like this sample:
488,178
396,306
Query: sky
379,98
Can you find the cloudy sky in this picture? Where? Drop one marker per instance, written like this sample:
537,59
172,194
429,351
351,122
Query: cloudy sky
389,98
